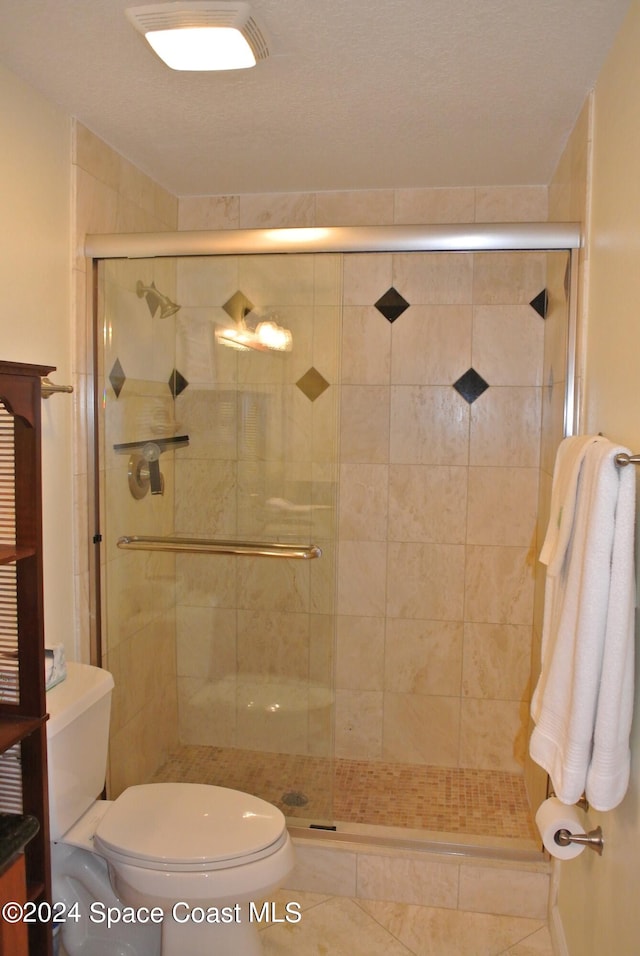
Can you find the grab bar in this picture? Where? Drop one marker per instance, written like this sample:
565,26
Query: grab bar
135,542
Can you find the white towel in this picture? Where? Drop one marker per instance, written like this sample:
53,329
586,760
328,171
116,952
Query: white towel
582,705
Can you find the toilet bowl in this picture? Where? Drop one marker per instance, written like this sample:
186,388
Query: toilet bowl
173,868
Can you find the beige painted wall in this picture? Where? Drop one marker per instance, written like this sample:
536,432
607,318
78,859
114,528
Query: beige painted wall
598,896
35,323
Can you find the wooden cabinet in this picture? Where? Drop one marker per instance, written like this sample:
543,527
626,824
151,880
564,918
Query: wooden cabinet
14,937
23,742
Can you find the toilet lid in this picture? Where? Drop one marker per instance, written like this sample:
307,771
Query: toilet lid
188,823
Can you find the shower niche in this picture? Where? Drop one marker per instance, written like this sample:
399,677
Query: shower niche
370,445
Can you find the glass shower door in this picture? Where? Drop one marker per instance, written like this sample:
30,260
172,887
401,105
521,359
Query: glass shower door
248,456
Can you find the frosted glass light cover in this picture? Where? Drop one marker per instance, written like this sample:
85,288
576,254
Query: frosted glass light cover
202,48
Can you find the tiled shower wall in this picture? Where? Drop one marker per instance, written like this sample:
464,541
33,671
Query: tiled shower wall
438,501
441,408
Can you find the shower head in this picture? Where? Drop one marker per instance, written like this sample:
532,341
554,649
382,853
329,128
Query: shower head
156,300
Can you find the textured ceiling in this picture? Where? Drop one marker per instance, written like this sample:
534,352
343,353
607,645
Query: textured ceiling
355,94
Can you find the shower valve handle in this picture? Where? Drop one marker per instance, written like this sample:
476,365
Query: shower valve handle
151,453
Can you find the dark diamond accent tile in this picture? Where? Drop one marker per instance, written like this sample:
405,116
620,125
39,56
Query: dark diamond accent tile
541,303
391,304
312,384
471,386
117,377
238,306
177,383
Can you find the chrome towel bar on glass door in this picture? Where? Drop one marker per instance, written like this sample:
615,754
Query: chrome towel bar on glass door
136,542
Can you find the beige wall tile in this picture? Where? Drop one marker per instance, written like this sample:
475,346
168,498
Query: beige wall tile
499,890
423,657
273,645
205,499
362,571
360,653
407,722
426,581
265,585
502,506
364,424
363,207
485,727
276,210
363,507
366,277
445,279
209,212
505,427
496,661
499,585
358,724
407,880
427,503
366,346
507,344
208,711
320,870
194,582
512,278
511,204
442,205
206,642
429,425
431,345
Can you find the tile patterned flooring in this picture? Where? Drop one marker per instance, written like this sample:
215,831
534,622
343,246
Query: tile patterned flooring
341,926
459,801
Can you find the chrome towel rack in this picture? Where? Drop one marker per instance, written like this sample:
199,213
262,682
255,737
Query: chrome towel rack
136,542
623,459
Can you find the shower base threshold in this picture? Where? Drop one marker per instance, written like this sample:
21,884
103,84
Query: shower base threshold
459,810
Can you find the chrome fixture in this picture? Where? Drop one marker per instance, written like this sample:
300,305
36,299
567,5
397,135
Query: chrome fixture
143,470
156,300
623,459
592,839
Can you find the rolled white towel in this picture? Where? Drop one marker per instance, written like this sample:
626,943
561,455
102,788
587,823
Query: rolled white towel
55,665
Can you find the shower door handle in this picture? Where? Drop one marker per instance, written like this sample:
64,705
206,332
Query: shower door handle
261,549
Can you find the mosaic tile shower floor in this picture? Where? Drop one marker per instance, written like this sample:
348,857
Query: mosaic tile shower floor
462,801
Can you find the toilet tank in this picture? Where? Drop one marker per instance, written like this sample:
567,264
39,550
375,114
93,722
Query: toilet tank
77,743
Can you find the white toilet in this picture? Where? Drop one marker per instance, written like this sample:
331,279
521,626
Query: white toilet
194,852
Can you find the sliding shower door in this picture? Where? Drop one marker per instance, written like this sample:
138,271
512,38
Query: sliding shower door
219,435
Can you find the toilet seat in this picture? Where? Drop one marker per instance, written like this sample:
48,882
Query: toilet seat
189,827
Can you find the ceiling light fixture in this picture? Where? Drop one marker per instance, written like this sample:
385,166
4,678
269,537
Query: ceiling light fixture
201,35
